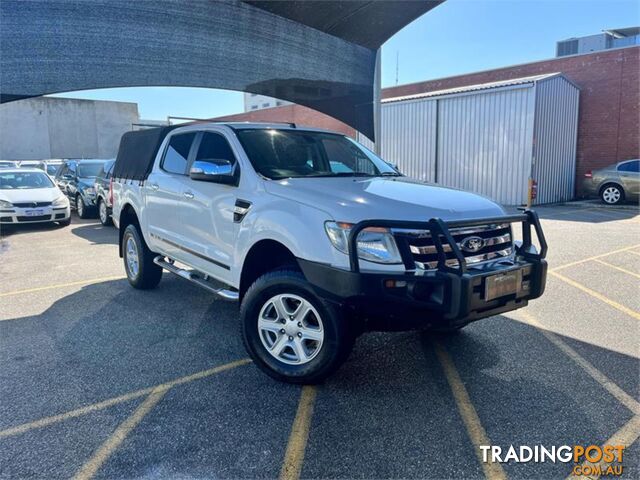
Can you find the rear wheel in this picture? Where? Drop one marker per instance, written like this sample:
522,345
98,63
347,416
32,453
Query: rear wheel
612,194
103,213
142,273
292,334
65,223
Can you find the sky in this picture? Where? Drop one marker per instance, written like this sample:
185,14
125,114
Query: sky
458,36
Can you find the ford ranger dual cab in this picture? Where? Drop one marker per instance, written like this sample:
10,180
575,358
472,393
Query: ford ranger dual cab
317,238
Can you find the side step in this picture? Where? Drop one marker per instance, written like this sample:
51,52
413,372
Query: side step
193,277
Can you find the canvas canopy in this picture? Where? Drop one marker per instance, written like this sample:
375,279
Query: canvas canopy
138,151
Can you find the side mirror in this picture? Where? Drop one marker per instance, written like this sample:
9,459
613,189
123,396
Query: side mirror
213,170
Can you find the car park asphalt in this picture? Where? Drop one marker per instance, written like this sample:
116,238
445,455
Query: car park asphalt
100,380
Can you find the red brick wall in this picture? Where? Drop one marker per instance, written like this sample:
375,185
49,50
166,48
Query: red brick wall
609,116
301,116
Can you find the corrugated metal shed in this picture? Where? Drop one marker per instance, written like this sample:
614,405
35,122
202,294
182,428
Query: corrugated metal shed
489,138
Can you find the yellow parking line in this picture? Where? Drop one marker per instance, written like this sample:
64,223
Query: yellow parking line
623,270
43,422
89,469
626,437
468,413
578,262
633,251
61,285
599,296
294,455
623,397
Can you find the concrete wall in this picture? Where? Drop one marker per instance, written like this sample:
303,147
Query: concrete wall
49,127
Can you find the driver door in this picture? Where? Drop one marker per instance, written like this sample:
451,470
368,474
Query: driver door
205,211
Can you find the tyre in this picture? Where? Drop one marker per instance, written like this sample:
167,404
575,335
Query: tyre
142,273
65,223
612,194
291,334
103,213
81,209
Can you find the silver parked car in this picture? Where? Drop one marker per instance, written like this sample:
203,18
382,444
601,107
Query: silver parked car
615,183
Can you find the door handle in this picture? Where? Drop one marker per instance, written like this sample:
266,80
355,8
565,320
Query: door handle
154,186
188,195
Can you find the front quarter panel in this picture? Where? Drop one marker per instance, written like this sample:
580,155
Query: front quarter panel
298,227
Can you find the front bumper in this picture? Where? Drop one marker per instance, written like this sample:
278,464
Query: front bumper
442,298
45,214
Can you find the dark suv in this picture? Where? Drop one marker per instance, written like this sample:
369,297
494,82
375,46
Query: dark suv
75,178
102,186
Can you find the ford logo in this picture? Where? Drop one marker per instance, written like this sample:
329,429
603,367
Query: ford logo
472,244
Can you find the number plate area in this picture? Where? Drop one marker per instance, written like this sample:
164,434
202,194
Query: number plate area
34,213
502,284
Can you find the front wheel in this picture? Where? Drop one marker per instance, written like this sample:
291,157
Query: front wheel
142,273
292,334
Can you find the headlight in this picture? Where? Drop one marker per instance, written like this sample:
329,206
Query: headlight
374,244
5,204
61,201
89,190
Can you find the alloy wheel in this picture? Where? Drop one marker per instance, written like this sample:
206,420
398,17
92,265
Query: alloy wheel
133,262
290,329
103,212
80,206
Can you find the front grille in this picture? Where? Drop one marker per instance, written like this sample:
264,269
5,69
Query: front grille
491,241
34,219
32,204
6,219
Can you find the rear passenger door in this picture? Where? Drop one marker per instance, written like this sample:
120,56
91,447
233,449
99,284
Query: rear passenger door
630,175
163,194
206,211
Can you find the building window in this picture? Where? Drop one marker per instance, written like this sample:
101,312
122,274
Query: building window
254,107
265,105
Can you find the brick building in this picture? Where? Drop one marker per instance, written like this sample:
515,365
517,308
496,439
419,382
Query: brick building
609,112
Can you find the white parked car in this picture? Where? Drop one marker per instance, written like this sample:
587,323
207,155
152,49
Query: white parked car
316,237
28,195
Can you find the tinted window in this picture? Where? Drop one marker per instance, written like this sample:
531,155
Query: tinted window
175,158
630,166
214,147
89,170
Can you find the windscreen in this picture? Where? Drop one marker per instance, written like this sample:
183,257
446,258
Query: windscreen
89,170
280,154
24,180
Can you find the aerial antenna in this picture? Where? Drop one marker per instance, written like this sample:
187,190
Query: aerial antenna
397,64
